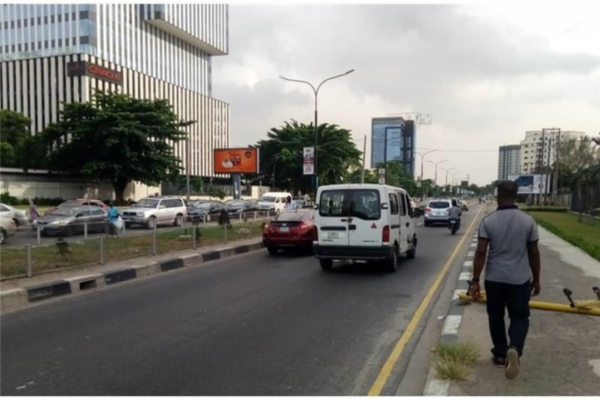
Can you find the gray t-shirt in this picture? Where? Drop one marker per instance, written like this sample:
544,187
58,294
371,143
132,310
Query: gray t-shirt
508,230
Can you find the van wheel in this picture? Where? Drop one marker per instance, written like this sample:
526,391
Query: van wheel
391,264
412,253
326,264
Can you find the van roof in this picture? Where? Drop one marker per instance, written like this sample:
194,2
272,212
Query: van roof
277,194
360,186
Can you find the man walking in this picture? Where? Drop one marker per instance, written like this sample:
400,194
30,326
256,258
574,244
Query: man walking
512,275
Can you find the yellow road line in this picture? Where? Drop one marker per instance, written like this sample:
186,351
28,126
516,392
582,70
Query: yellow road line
387,368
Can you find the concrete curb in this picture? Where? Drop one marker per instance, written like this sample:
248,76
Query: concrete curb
440,387
16,299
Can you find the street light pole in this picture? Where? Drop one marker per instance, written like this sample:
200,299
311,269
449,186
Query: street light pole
422,158
316,92
446,185
436,169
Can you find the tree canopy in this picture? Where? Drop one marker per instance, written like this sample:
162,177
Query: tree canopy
281,155
18,147
116,138
576,156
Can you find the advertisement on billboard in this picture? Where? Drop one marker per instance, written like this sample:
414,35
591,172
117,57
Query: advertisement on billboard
382,176
236,161
309,161
531,184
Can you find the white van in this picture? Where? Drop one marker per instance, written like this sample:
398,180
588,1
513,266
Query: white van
363,222
273,201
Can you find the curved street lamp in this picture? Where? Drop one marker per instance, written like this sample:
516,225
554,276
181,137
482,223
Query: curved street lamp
422,158
447,170
316,92
436,168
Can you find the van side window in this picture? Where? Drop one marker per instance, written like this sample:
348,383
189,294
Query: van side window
394,203
403,205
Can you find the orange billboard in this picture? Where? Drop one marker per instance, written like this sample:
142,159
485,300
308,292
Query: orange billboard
236,161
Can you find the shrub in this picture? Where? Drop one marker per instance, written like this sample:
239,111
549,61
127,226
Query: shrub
6,198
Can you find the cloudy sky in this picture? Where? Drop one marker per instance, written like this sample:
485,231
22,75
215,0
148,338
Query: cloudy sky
485,73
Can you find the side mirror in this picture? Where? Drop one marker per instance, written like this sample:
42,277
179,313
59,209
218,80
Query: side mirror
162,206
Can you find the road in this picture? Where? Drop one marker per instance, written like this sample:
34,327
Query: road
250,325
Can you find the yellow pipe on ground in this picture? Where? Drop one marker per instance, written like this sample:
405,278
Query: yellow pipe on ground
586,308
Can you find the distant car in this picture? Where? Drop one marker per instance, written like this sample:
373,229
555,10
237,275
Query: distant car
18,216
291,229
235,207
153,211
8,228
436,212
68,221
78,203
206,212
464,205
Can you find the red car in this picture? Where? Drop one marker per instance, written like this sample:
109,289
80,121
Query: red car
291,229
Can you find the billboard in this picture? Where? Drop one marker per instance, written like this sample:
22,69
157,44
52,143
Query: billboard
531,184
309,161
236,161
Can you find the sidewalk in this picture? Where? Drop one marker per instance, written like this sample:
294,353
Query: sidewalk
562,354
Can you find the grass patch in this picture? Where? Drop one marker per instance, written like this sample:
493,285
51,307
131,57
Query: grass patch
584,235
451,371
45,258
455,360
554,209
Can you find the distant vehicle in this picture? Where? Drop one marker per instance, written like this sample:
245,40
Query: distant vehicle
291,229
153,211
8,228
421,207
436,212
236,207
18,216
206,211
365,222
464,205
68,221
78,203
273,201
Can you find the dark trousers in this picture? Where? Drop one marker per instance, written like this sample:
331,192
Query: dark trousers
515,298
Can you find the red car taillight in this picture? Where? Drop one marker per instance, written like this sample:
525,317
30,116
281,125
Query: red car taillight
385,234
266,229
427,210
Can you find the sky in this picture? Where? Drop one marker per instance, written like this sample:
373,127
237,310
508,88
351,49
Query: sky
485,73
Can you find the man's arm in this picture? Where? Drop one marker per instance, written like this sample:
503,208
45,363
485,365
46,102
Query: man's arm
535,264
478,264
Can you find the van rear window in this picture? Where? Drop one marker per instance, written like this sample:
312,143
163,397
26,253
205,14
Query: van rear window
360,203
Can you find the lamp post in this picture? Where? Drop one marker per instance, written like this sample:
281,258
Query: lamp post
436,169
453,175
446,185
316,91
422,158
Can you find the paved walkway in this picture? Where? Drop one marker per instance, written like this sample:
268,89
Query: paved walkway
562,354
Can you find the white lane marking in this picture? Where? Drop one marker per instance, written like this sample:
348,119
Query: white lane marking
436,387
456,293
468,264
452,324
464,276
471,254
596,366
84,277
473,245
419,224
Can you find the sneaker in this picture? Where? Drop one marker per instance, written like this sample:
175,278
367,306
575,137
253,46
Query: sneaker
499,361
512,363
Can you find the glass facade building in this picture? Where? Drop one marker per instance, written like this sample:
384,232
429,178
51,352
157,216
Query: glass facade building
52,54
392,139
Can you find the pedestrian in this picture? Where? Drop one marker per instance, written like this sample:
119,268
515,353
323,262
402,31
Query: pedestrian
509,238
33,211
113,218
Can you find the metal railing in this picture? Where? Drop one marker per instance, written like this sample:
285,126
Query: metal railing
33,251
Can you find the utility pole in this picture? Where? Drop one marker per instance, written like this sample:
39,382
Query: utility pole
422,158
541,164
556,168
436,168
362,175
447,170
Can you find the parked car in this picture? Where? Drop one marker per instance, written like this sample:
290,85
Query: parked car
8,228
18,216
291,229
206,212
273,201
78,203
154,211
235,207
68,221
365,222
436,212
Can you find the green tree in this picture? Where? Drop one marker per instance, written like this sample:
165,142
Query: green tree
355,176
118,139
281,156
575,156
18,148
397,176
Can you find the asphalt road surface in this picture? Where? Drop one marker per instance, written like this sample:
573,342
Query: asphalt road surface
249,325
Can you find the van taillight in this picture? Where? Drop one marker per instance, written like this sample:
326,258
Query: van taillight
385,234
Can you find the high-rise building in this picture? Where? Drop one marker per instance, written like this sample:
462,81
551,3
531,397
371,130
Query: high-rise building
393,139
508,161
61,53
538,150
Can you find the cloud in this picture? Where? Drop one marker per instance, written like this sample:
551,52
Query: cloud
484,79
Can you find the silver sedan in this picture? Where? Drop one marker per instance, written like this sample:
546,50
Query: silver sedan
18,216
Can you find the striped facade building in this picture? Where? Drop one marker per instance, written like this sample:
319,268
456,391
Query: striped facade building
52,54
